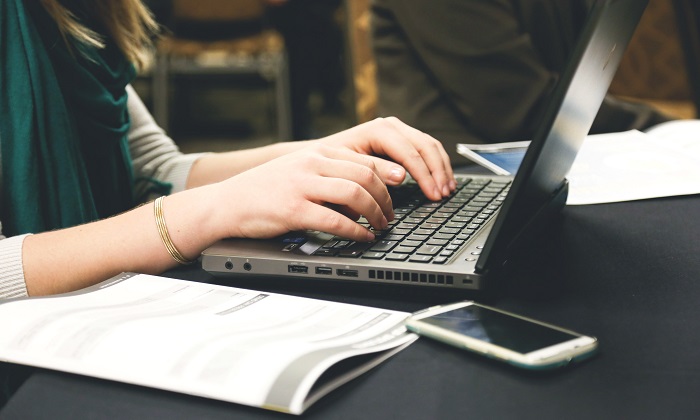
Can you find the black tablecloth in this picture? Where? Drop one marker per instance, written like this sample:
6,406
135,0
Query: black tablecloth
627,273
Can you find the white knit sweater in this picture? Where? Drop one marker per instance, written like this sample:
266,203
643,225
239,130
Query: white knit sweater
154,155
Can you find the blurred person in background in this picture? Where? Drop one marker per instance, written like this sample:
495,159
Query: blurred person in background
472,71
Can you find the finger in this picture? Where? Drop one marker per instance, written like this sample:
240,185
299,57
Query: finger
390,172
434,154
423,156
352,195
360,169
324,219
386,140
346,211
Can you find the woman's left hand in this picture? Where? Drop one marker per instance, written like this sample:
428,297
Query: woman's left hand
407,148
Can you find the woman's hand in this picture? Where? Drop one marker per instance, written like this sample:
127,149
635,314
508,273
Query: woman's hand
393,146
420,154
319,187
327,184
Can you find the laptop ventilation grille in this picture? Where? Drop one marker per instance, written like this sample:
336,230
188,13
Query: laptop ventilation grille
411,277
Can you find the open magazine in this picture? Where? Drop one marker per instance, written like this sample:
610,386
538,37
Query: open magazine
260,349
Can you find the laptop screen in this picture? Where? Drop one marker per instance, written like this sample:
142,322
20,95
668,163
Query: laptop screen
541,178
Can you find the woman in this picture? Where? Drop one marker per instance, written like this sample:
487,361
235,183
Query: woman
79,150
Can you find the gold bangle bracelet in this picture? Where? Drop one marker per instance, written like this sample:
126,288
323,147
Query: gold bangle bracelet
164,235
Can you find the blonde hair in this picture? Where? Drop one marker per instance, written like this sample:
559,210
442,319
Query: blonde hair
129,23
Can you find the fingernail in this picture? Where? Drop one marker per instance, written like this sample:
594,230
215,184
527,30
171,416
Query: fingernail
437,192
453,184
445,191
385,223
397,174
370,236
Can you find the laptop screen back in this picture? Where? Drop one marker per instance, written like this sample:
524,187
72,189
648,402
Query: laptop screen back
567,120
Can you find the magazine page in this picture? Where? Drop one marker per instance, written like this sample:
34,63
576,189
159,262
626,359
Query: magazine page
249,347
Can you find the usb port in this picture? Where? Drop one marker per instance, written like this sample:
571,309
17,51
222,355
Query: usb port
346,273
326,271
302,269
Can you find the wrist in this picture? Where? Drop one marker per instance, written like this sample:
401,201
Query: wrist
188,216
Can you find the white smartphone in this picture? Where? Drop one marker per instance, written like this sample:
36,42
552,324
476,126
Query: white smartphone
499,158
501,335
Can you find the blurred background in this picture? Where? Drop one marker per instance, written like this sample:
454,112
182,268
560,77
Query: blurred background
233,74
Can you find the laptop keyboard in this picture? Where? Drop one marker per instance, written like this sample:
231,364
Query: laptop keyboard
425,231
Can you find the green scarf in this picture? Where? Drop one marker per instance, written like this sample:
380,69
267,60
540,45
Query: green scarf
63,124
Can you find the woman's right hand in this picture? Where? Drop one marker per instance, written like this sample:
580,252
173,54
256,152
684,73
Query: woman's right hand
320,187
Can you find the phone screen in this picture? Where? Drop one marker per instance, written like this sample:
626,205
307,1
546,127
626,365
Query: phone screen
499,329
507,159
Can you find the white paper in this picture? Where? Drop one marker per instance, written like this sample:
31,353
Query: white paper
244,346
632,165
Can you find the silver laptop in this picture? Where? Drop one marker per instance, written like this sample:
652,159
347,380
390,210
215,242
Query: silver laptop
465,240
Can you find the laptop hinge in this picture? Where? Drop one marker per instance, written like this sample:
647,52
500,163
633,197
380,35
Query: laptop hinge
528,235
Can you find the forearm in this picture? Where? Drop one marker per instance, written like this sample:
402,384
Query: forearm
215,167
70,259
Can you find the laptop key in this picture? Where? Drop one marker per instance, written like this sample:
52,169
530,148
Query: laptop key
420,258
436,220
404,250
396,257
325,252
417,237
430,226
428,250
449,231
393,237
445,212
411,243
456,225
383,246
349,253
446,236
373,255
404,225
414,220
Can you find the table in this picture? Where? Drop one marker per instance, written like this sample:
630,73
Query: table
628,273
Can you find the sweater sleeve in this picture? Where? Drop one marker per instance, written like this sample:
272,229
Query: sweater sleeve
155,157
12,282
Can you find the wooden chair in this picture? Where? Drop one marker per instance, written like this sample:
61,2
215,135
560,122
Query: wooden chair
220,37
362,65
